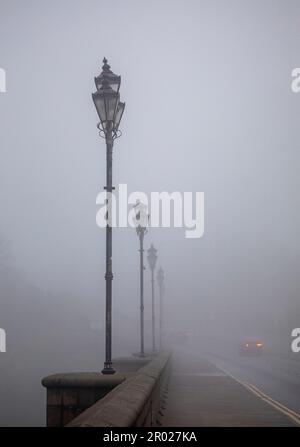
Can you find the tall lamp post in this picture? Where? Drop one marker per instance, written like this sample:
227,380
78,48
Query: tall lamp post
161,285
141,222
152,258
110,110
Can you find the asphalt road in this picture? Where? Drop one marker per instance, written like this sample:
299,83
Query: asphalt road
199,394
277,377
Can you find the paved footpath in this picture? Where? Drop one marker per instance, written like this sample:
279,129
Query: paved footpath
201,395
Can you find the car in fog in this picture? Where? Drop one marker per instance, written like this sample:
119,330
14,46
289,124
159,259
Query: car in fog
251,348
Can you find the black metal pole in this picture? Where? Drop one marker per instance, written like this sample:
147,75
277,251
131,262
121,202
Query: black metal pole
160,317
160,280
108,368
153,311
141,236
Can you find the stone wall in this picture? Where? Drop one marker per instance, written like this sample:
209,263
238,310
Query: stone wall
135,402
69,394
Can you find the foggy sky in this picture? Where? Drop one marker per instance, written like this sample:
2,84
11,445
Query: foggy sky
209,108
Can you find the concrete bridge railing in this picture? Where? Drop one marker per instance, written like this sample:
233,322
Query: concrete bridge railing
133,397
135,402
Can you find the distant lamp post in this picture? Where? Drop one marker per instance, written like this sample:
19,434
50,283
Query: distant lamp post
161,285
152,258
141,223
110,110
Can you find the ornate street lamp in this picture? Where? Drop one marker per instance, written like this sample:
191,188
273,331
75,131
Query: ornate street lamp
161,283
152,258
110,111
113,79
141,223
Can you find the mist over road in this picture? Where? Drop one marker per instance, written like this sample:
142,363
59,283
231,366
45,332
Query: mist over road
279,378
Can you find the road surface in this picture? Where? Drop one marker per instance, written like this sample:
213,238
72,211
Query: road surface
202,392
277,377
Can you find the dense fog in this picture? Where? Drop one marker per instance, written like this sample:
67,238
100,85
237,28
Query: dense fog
209,108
